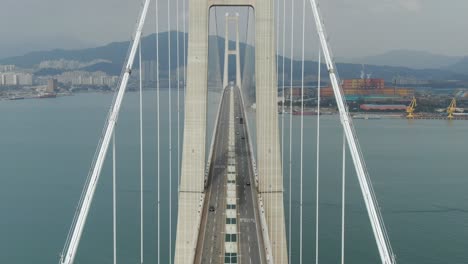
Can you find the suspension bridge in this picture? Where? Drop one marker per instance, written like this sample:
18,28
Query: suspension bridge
230,203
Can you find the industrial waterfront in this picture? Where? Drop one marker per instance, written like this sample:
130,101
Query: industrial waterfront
417,168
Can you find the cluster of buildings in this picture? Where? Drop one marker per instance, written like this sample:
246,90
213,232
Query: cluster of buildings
63,64
16,78
73,78
10,77
7,68
87,78
149,71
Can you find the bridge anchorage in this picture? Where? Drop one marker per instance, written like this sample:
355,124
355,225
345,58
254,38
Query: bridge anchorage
230,207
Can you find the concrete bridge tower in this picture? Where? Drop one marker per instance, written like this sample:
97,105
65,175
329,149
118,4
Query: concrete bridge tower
270,187
228,52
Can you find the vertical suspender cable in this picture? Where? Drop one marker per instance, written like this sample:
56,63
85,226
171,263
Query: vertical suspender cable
276,109
302,126
185,42
114,202
282,93
267,183
141,156
178,95
283,81
279,145
277,38
170,125
270,128
317,188
343,200
290,126
158,135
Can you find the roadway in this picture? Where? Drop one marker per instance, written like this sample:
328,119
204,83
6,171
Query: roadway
211,240
251,240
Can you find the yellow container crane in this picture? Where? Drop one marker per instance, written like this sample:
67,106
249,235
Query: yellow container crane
410,109
451,109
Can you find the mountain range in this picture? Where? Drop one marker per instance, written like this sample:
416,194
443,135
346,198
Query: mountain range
408,58
405,64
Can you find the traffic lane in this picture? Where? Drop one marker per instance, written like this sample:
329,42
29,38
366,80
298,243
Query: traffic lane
212,227
250,247
253,191
212,242
249,243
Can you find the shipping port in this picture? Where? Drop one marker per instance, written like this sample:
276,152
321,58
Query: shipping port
371,99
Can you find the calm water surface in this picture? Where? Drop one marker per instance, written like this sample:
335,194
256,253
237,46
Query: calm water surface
418,170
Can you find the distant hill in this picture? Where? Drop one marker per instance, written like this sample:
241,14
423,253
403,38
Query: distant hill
352,71
48,72
460,67
26,44
115,53
407,58
107,67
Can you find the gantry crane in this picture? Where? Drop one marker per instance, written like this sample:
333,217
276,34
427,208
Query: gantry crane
410,109
451,109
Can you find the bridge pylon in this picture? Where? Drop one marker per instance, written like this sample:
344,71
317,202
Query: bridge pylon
270,176
228,52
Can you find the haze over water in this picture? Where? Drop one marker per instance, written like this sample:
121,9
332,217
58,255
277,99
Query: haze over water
418,169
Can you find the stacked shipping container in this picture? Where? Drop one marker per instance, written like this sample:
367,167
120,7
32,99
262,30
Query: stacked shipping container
368,87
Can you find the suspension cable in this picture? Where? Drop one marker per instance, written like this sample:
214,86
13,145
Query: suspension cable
141,155
86,199
302,126
114,202
267,151
178,95
275,238
158,137
343,200
185,44
372,206
317,187
170,126
270,128
290,127
282,93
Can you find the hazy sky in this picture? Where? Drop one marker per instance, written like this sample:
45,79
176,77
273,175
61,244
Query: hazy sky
355,27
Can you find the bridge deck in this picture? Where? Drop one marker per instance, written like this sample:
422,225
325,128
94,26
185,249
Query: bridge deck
212,235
